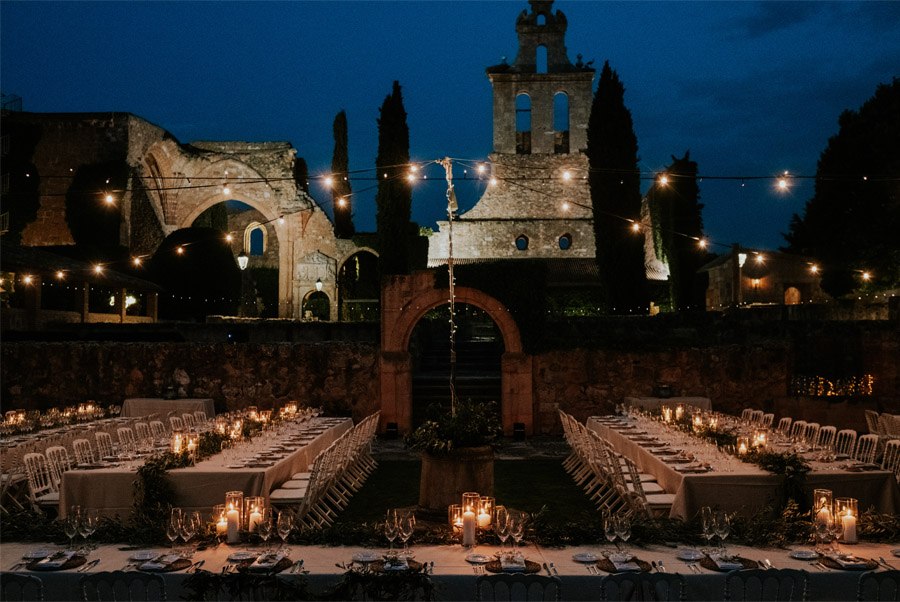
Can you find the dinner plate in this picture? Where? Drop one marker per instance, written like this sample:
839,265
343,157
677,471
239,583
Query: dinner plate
236,466
689,555
804,554
38,554
584,557
367,556
143,555
478,558
896,552
242,556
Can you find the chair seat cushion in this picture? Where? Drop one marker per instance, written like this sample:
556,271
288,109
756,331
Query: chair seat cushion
286,495
301,476
295,485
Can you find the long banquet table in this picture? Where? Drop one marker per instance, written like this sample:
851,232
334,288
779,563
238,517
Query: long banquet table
455,578
144,406
198,487
743,487
653,403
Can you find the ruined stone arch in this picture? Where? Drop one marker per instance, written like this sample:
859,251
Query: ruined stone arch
405,300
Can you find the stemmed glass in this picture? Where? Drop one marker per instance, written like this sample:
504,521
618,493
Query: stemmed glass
173,527
722,527
71,524
90,519
285,525
517,530
190,524
623,530
501,526
707,521
264,528
609,528
391,529
407,527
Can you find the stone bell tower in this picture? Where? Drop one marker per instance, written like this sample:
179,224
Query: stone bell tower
538,205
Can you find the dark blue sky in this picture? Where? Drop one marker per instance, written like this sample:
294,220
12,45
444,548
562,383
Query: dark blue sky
750,88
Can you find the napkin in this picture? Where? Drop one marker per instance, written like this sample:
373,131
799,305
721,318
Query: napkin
160,563
400,563
850,562
56,560
624,565
266,562
727,565
512,564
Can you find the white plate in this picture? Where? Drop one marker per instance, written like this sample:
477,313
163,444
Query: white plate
896,552
38,554
689,555
804,554
236,466
242,556
143,555
584,557
366,556
478,558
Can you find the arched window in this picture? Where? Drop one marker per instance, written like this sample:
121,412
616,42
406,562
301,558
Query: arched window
522,242
540,60
523,124
565,241
561,123
255,239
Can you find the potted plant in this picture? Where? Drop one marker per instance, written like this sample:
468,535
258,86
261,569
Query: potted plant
457,450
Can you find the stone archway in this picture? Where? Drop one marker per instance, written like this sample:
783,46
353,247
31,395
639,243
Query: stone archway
404,301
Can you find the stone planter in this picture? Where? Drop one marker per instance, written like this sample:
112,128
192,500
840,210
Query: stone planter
444,479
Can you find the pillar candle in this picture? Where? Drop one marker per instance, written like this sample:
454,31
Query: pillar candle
221,527
484,520
255,519
848,522
233,528
468,528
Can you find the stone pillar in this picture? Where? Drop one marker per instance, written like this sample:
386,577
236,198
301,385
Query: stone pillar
85,301
121,306
516,392
153,306
396,390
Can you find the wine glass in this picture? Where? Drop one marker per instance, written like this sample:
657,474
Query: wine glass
623,531
722,527
190,524
707,520
90,519
264,528
501,526
407,527
285,525
517,530
609,528
71,524
173,527
391,529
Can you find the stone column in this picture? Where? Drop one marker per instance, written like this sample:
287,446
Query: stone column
85,301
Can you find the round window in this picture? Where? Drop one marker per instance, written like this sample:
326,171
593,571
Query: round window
565,241
522,242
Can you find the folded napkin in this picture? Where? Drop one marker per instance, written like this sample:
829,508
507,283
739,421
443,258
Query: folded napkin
512,564
56,560
400,563
850,562
624,565
726,564
266,562
160,563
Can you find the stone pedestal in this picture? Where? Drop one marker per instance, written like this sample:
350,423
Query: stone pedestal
445,478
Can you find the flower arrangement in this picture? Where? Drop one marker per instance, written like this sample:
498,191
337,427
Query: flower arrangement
471,425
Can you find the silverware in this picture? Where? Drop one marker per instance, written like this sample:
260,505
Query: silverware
693,567
821,566
16,566
431,568
662,569
89,565
885,563
653,564
197,566
553,568
547,568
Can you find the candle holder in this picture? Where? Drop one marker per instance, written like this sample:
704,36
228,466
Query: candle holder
742,445
254,511
454,517
760,438
234,506
220,520
470,501
822,507
252,413
485,511
178,441
666,413
846,511
679,411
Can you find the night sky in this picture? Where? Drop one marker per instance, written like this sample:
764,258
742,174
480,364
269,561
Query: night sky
752,89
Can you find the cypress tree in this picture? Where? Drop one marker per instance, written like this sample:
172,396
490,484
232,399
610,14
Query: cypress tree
340,171
675,211
615,194
394,198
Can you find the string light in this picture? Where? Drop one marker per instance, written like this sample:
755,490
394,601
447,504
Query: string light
702,243
328,181
109,199
342,202
663,180
760,258
180,250
481,168
229,237
565,206
814,269
566,175
98,269
136,261
60,274
27,279
866,276
635,227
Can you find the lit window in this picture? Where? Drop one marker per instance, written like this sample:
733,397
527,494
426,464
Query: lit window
522,242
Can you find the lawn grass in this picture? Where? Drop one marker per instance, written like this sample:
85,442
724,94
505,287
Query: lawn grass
526,485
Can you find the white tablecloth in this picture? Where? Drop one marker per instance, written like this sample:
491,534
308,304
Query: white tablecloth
652,403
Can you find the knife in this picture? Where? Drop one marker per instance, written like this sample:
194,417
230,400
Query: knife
547,568
89,565
197,566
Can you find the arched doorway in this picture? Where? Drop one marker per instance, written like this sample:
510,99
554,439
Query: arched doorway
316,306
404,301
479,352
358,288
792,295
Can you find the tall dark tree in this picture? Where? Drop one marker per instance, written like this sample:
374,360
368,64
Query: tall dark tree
615,194
340,171
394,198
677,219
852,222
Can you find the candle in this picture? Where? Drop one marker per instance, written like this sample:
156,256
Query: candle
233,535
221,527
848,524
743,448
484,520
255,519
468,528
824,515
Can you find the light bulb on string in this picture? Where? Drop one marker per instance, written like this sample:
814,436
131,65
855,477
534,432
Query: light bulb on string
663,180
342,202
566,175
481,168
98,269
60,274
565,206
229,238
701,242
760,258
866,276
27,279
782,183
493,181
635,227
180,250
328,181
137,261
226,190
280,220
109,199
